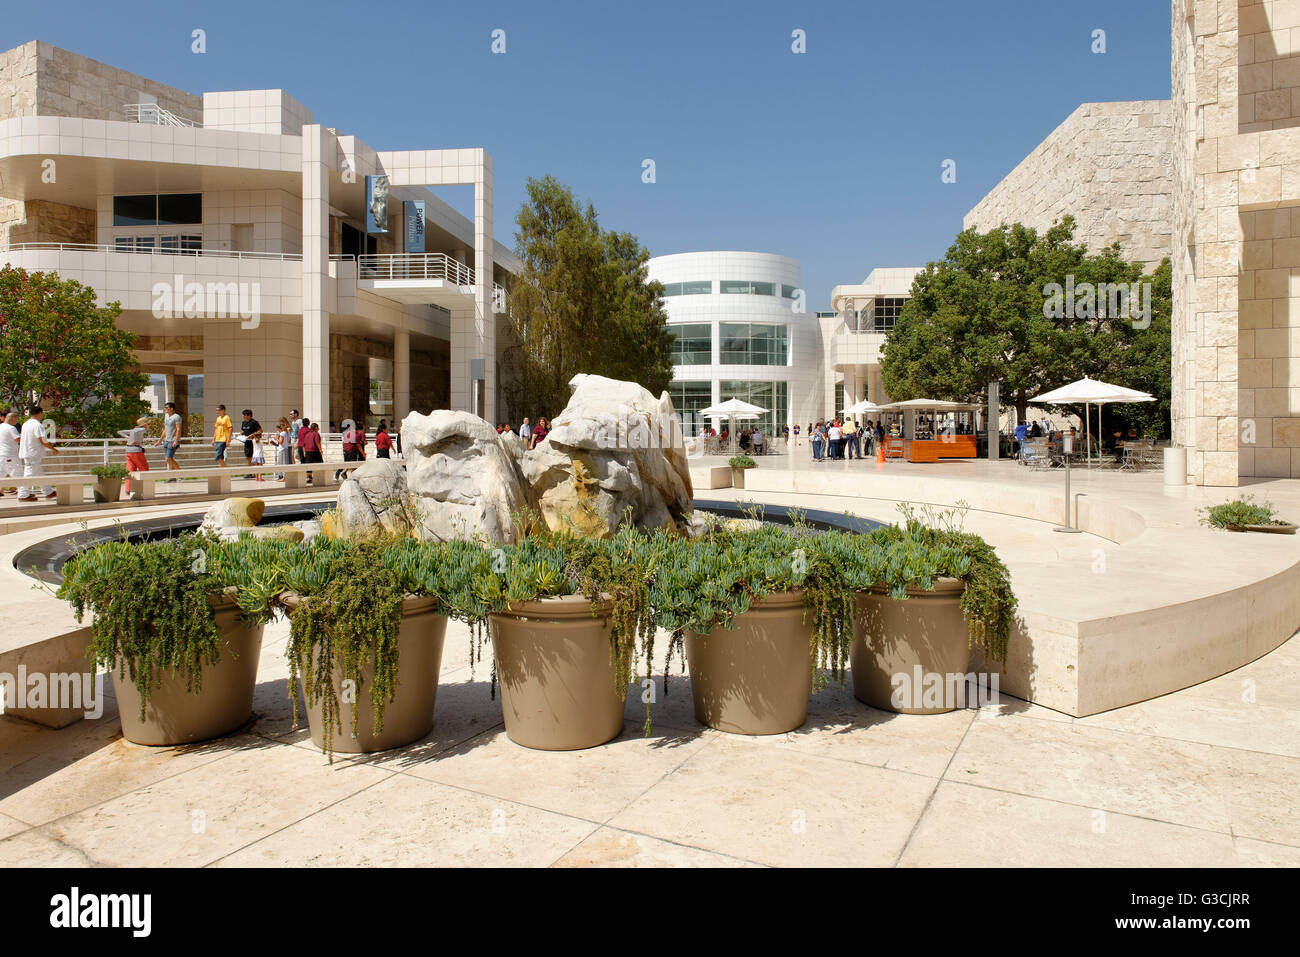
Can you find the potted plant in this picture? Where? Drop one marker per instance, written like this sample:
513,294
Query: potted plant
739,463
761,615
1246,515
178,624
108,481
568,618
366,629
927,593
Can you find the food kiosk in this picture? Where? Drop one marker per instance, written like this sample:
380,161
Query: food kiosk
927,430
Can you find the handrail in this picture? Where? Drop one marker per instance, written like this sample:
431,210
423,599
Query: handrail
415,266
154,115
157,251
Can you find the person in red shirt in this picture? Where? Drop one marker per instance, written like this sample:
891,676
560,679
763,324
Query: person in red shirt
383,441
309,444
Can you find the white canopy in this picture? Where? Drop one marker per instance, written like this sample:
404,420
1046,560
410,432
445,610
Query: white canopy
1089,391
731,408
932,404
857,408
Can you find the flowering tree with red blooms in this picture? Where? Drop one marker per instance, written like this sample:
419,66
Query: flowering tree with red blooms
61,349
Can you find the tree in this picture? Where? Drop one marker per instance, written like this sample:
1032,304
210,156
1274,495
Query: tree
60,349
1031,312
582,304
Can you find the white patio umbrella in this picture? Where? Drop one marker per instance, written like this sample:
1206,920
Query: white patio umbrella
732,409
1089,391
857,408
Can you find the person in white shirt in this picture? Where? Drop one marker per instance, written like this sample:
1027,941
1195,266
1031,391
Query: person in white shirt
525,432
32,446
10,465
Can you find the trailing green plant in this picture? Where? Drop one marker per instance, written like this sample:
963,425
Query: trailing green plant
930,544
115,470
741,462
152,603
1240,512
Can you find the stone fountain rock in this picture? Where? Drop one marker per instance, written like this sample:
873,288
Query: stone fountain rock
615,447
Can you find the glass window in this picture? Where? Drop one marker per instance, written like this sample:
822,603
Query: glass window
693,345
745,286
169,244
839,399
696,287
753,344
773,396
887,312
191,243
135,210
688,398
145,244
787,292
180,209
124,244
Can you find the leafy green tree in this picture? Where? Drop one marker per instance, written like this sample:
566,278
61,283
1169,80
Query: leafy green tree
583,303
59,348
986,312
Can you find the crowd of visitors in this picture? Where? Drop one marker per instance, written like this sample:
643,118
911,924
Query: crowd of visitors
843,439
528,434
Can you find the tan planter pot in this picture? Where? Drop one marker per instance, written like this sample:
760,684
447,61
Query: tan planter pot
738,478
899,645
107,489
224,704
558,690
409,716
754,679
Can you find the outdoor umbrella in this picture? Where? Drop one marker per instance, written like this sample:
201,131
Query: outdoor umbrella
1088,391
732,409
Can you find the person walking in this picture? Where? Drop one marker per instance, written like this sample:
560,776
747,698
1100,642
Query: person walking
170,439
283,442
222,429
309,445
32,446
836,435
250,429
135,457
818,441
295,425
383,441
851,448
10,438
525,433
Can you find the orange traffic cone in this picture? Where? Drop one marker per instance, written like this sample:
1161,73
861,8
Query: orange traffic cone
880,452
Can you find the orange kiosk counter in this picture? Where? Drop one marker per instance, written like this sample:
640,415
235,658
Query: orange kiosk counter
951,439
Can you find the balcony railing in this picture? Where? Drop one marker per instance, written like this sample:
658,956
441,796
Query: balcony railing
156,251
154,115
415,266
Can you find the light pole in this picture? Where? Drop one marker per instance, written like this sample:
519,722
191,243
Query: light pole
1067,447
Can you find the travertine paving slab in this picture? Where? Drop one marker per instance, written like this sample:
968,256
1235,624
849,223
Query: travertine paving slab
1133,774
1216,720
10,826
194,818
593,784
35,848
1260,793
409,822
1262,854
774,806
968,826
610,847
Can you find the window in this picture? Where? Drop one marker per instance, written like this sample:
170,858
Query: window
135,210
688,398
169,244
753,344
169,209
696,287
124,244
744,286
887,312
145,244
693,345
788,292
180,209
839,399
191,243
772,396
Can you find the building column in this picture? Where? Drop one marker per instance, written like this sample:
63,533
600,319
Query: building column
317,146
401,377
473,344
177,389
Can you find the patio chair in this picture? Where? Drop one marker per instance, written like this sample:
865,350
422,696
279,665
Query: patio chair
1035,454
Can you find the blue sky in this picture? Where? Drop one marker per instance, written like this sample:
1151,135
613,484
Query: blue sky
832,157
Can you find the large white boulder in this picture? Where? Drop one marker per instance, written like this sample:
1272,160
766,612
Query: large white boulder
615,448
463,481
374,498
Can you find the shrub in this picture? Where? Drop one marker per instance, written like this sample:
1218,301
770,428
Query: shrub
741,462
1237,514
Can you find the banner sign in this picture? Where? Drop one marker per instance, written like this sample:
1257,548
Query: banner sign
415,226
376,204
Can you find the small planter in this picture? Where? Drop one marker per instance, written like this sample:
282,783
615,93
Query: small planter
1286,529
408,717
558,684
738,478
224,703
911,656
107,489
755,678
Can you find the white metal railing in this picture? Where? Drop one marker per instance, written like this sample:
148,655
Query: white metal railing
416,266
156,251
154,115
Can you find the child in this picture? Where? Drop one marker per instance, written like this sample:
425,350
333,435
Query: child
259,456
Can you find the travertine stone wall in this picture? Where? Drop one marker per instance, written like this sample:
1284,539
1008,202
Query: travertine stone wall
1108,165
1268,52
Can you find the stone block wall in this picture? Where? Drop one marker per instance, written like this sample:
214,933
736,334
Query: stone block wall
1108,165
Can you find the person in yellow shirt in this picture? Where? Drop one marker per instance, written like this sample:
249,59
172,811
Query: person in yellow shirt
852,450
221,433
